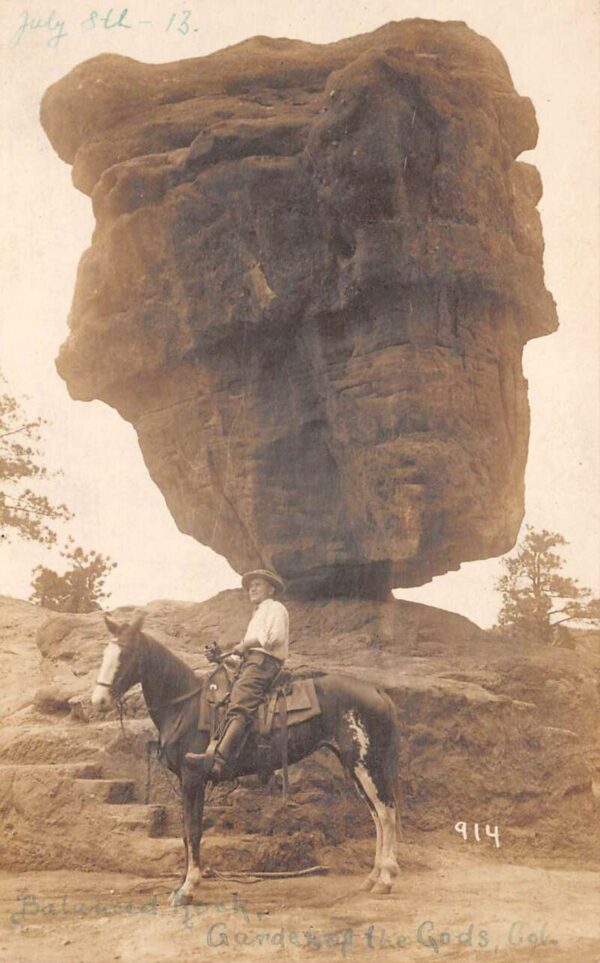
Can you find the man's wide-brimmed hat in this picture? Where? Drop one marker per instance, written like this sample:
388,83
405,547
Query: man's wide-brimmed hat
277,583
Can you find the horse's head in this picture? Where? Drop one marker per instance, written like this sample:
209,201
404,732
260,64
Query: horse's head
120,665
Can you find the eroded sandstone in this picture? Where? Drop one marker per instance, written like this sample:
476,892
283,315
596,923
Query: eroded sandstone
312,277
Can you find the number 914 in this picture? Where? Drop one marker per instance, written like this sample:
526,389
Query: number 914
462,829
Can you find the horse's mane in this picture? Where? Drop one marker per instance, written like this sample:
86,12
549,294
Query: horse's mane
171,673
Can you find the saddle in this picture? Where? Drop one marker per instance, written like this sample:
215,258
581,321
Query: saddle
288,703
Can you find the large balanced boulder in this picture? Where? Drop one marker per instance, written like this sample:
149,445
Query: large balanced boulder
312,277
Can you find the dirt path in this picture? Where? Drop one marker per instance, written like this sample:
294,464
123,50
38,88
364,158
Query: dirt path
444,907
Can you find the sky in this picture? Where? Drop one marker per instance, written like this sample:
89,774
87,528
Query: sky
551,47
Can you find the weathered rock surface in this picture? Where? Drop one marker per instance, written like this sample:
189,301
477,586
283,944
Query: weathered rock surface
20,659
312,277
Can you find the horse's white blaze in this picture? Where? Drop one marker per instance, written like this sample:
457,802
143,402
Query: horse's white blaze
384,816
108,670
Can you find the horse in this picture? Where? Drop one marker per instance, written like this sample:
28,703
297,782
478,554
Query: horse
357,722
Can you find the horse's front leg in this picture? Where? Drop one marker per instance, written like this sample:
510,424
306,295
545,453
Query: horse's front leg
192,787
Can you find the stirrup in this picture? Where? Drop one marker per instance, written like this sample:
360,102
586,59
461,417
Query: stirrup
219,768
201,760
215,766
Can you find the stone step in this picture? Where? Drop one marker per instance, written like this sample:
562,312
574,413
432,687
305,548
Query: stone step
76,770
65,742
106,790
135,817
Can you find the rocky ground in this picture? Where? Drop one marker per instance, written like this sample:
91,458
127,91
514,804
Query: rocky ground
491,734
448,905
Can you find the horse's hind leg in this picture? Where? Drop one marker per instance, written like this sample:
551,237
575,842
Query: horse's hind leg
369,765
373,876
192,786
381,878
388,863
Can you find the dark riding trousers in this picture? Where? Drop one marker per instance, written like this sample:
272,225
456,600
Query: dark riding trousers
258,672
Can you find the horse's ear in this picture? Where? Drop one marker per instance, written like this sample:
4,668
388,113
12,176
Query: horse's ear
113,627
138,622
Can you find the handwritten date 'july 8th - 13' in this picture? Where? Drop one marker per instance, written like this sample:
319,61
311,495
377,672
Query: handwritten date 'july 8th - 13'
55,29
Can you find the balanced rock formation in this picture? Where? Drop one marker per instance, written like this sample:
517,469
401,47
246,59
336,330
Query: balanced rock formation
312,277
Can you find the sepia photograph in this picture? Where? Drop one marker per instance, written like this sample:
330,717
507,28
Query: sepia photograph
300,481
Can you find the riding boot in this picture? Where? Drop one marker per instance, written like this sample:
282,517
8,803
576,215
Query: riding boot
217,764
228,747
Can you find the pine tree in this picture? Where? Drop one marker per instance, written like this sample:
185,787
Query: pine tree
536,598
79,589
24,512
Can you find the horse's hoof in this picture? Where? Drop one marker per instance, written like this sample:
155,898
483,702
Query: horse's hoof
179,898
382,888
367,885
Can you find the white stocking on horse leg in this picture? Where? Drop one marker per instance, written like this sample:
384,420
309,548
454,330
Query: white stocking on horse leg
374,874
193,801
186,891
386,867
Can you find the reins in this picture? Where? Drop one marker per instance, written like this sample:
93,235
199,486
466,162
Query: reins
150,746
121,710
177,699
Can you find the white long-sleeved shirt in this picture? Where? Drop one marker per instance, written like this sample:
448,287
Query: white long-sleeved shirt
269,630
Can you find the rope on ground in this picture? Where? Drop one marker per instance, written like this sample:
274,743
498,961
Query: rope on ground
257,877
340,899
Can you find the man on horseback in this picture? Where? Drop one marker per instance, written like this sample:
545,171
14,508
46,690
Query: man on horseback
263,650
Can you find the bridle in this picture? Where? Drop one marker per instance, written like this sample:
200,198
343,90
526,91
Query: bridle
118,701
163,705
